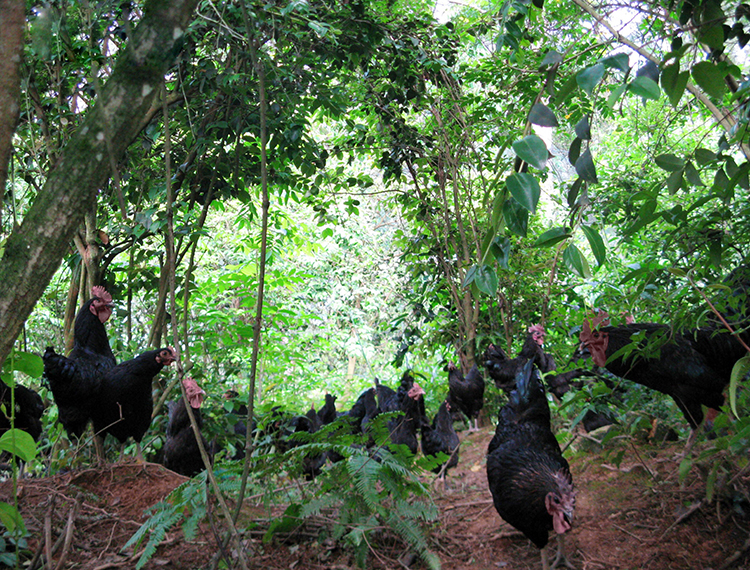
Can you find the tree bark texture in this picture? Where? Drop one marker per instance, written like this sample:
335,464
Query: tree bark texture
12,21
33,252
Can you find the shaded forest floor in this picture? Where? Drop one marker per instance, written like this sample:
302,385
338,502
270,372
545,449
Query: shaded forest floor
635,516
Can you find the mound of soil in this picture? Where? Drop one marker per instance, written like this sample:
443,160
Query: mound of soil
636,515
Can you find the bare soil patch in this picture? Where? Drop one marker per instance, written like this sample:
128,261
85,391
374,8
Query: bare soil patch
635,516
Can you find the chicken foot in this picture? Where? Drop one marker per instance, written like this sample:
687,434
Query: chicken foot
560,558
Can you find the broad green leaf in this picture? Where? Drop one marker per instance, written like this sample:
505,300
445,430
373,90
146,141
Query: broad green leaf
25,362
650,70
675,182
576,262
619,61
590,77
669,162
674,81
575,188
685,466
615,95
677,272
703,156
692,175
543,116
525,189
551,59
516,217
645,87
19,443
739,372
721,182
575,150
501,250
11,519
486,280
470,276
596,243
710,78
711,35
565,91
715,249
583,129
486,245
497,210
551,237
532,149
585,168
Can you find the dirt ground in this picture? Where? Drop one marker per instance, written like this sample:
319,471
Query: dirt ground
635,516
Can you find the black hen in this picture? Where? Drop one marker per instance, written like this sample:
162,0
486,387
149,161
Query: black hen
693,366
504,370
440,437
74,380
29,408
466,394
408,400
327,413
124,402
530,480
181,452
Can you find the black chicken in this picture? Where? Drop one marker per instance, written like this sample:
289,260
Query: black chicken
181,452
327,413
693,366
530,480
466,394
29,409
74,380
124,402
440,437
408,400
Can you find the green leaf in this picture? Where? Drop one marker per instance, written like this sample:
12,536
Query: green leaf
685,466
516,218
551,59
669,162
486,280
692,175
589,78
575,150
583,129
19,443
619,61
645,87
497,210
573,192
616,94
565,91
585,168
26,362
551,237
710,78
675,182
11,518
703,156
532,149
576,262
673,81
501,250
525,189
543,116
596,243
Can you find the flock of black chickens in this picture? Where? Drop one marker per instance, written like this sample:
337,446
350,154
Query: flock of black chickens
529,479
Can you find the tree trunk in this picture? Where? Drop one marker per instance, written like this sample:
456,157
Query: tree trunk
34,251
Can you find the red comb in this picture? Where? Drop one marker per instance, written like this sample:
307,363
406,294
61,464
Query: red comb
101,292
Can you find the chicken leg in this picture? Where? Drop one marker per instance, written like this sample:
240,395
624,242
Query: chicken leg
560,558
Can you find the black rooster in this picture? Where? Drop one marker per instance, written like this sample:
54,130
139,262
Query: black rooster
530,480
440,437
692,366
466,394
181,452
74,380
124,402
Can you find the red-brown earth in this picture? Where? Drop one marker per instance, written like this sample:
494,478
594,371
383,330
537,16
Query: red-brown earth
637,515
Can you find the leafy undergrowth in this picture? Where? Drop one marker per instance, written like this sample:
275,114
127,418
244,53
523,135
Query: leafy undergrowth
634,514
